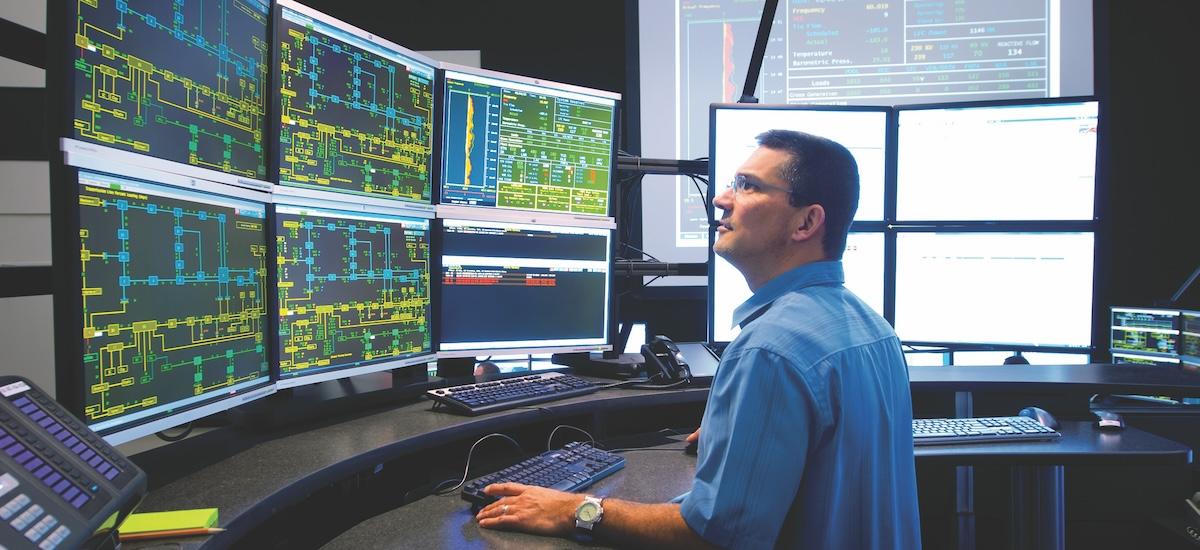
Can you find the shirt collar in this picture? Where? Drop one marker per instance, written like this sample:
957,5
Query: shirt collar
811,274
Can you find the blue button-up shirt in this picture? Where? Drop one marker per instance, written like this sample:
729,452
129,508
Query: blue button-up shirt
807,435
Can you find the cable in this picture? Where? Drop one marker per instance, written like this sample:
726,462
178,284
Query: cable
466,470
643,252
672,385
555,430
629,382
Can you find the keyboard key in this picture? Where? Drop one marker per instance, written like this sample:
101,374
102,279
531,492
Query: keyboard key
80,500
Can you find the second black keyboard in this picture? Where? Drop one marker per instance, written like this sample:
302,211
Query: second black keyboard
509,393
992,429
571,468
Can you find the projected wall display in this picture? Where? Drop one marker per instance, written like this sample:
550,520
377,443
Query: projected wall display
356,115
183,81
173,285
854,52
1018,288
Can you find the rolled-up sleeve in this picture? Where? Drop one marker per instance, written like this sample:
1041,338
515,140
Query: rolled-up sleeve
757,427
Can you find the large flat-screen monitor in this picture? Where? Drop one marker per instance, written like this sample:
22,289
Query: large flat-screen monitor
1028,160
160,297
353,290
183,81
1151,333
984,287
516,287
692,53
1189,339
355,112
862,263
517,142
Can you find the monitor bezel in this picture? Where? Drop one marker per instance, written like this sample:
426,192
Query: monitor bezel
68,302
272,146
333,204
459,213
864,226
551,87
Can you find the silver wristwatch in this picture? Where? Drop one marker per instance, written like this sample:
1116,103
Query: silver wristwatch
589,513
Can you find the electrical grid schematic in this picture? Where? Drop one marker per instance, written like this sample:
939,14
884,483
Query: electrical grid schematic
355,116
182,81
173,285
353,288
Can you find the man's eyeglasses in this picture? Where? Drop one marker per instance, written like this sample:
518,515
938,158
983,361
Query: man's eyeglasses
743,184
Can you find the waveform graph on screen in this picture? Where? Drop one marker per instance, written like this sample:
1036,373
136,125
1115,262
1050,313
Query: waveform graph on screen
470,116
173,295
354,118
554,153
352,290
182,80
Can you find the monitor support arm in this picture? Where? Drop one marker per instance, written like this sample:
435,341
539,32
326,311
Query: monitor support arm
1183,288
760,50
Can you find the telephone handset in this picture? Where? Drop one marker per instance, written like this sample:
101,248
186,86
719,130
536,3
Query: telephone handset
664,361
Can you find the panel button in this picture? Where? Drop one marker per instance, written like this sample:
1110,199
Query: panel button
80,500
70,492
61,486
7,483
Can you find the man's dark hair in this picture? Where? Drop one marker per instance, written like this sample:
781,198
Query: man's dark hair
821,171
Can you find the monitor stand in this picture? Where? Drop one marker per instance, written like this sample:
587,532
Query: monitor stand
621,366
332,398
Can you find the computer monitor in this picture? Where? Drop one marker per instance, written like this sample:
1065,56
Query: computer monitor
184,82
353,290
356,112
1151,333
160,297
516,142
862,263
862,130
1023,160
517,287
1002,288
1189,339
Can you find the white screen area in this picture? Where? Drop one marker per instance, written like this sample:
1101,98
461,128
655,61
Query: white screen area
1029,162
864,133
1020,288
991,358
858,52
862,262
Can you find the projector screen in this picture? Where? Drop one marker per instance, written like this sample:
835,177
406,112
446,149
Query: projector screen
695,52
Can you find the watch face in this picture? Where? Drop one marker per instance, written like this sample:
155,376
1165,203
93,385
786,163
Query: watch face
587,512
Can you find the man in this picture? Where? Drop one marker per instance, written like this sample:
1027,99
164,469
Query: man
807,435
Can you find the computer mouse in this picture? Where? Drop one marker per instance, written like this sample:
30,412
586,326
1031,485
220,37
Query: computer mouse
1108,420
692,448
1041,415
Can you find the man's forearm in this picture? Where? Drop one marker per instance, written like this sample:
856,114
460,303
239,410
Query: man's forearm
636,524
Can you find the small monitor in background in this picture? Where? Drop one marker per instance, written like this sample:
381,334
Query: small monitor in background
1150,333
1189,339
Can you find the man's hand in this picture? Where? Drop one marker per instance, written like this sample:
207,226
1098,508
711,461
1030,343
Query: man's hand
695,436
531,509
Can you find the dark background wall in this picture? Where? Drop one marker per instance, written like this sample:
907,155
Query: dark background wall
1150,120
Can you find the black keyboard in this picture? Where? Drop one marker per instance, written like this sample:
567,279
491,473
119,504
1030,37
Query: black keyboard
995,429
498,395
571,468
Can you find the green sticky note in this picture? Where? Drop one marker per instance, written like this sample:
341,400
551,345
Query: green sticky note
168,521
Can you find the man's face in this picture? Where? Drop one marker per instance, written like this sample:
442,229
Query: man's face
758,220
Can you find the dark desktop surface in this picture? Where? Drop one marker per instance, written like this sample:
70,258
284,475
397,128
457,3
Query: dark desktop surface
1090,379
258,479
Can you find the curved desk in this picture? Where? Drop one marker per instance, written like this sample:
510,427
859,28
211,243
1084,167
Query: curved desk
262,475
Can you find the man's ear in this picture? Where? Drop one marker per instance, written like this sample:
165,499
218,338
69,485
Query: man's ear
810,222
